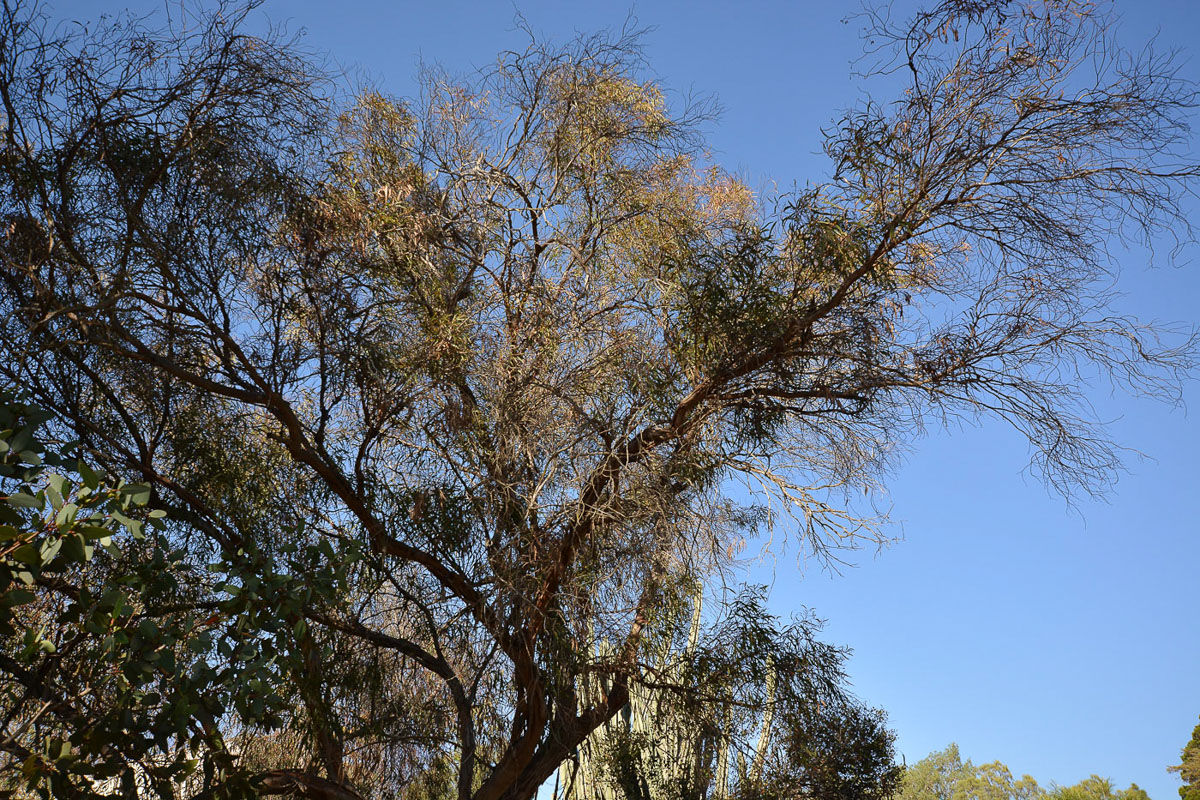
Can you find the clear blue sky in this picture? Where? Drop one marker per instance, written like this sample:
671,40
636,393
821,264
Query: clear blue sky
1062,641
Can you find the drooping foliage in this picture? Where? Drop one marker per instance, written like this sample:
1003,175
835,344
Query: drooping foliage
776,721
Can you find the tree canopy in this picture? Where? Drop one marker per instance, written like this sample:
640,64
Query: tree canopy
440,397
944,775
1188,767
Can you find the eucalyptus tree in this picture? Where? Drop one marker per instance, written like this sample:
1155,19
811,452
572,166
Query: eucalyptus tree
456,384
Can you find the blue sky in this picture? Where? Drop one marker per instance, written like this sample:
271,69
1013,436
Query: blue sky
1061,640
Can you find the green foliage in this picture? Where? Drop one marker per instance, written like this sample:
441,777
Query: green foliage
1188,767
81,562
944,775
123,663
841,752
1096,788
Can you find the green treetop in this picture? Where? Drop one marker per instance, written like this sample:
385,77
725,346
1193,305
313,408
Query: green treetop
944,775
1189,767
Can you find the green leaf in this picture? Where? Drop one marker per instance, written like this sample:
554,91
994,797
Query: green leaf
50,549
17,597
22,500
26,554
134,525
8,532
22,440
59,483
76,548
139,493
94,532
66,515
91,478
56,498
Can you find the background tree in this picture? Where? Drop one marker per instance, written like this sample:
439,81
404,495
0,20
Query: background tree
478,365
944,775
773,725
1097,788
1188,767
